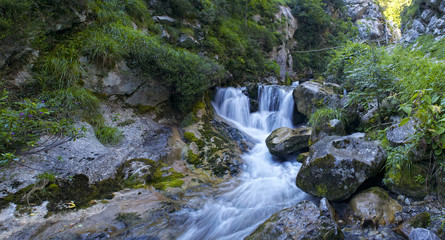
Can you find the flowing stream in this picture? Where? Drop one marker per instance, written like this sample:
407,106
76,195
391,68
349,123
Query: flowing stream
265,186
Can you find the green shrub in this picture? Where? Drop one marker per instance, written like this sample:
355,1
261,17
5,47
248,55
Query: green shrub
24,122
60,69
108,135
323,115
73,101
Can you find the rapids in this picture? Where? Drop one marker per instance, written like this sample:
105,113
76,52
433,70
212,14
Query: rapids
265,186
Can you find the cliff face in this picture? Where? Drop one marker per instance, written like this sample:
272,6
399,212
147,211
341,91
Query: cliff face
282,53
424,17
370,21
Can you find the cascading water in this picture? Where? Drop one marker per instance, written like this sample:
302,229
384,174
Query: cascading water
265,186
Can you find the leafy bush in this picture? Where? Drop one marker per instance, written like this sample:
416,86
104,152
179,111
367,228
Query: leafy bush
24,122
323,115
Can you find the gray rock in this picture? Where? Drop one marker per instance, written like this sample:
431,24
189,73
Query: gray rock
418,26
432,24
398,135
311,95
422,234
375,205
427,14
332,127
143,138
440,24
188,40
421,220
411,36
442,7
282,54
284,141
302,221
370,28
149,94
326,208
337,166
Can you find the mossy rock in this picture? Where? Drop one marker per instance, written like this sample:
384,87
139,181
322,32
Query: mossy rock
375,205
302,221
404,181
337,166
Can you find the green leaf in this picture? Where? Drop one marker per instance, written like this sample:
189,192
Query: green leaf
404,121
435,98
406,109
437,152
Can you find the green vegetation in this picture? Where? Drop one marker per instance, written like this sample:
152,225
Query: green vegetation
323,115
406,81
24,122
319,30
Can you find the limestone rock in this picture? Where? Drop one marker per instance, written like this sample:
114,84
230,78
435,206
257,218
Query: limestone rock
427,15
149,94
143,138
282,54
398,135
302,221
311,95
418,26
337,166
369,19
284,141
422,234
375,205
369,28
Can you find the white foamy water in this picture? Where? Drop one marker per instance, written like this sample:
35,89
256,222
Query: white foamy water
265,186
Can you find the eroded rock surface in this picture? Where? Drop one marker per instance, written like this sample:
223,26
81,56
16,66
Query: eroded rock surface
284,141
302,221
337,166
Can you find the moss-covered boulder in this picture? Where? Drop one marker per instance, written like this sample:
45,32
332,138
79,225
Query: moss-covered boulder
284,141
409,182
375,205
337,166
312,95
302,221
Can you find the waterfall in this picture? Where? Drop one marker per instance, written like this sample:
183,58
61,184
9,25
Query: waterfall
265,186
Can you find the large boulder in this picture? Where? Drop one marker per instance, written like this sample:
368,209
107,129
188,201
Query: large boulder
302,221
311,95
337,166
375,205
284,141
